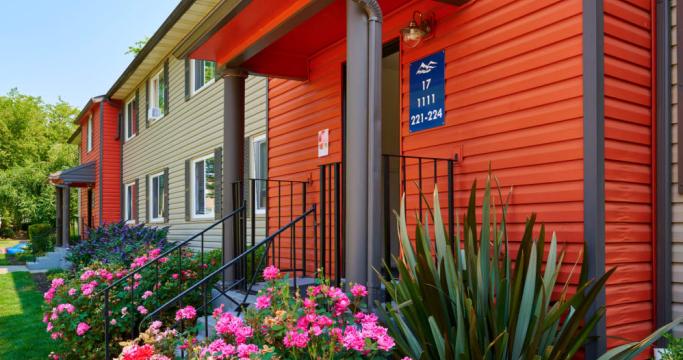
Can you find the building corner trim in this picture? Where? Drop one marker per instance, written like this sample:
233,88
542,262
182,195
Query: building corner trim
100,165
594,160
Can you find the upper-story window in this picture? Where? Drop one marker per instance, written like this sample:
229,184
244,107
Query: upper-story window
259,156
203,187
157,190
130,121
157,95
203,74
88,139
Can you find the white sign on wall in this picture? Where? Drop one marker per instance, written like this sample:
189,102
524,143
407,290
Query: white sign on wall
323,142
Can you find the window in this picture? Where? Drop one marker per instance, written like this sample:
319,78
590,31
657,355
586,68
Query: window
157,206
130,121
129,203
89,134
203,187
157,96
202,74
259,155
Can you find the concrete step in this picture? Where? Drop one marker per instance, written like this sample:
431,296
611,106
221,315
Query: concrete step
229,305
52,260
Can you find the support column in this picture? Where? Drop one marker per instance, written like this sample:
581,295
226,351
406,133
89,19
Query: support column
66,220
362,170
233,145
58,209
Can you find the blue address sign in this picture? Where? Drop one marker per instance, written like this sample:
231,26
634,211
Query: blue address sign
427,95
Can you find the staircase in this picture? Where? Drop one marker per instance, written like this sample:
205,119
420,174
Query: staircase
52,260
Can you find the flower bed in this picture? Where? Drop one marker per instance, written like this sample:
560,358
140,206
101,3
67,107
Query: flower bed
326,323
74,306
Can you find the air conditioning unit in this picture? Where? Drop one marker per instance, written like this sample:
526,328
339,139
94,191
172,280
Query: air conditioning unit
154,112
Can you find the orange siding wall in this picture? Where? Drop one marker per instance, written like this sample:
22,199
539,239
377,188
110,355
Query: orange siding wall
86,157
514,101
628,167
111,166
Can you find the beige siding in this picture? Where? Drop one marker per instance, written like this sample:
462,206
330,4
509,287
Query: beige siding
677,226
191,129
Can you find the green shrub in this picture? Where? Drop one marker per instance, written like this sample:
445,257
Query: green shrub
81,290
480,306
674,350
42,237
6,232
116,244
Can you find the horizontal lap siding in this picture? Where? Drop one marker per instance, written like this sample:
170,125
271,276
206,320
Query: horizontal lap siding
514,103
111,166
677,226
88,156
192,128
628,168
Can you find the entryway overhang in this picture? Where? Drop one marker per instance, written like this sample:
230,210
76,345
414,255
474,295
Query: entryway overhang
77,176
273,38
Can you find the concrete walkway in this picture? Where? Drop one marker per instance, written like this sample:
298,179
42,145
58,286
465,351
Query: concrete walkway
18,268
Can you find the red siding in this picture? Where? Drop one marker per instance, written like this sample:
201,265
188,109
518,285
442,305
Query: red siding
514,101
107,176
628,168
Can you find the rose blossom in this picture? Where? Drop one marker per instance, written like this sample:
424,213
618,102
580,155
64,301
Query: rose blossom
142,310
82,328
187,312
271,273
262,302
146,294
358,290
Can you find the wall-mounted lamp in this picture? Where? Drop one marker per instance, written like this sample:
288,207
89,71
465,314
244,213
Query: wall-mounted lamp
419,28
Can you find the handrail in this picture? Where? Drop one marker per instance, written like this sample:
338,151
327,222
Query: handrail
230,263
455,158
175,247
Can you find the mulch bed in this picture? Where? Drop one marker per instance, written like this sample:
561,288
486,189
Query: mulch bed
41,281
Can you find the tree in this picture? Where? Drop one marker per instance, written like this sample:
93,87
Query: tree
33,144
137,47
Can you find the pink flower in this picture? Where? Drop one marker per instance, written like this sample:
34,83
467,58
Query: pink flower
353,339
57,282
56,335
218,311
187,312
358,290
385,343
271,273
137,276
87,275
263,302
65,307
309,303
244,351
146,294
113,322
294,338
72,292
82,328
174,276
218,348
154,253
49,327
142,310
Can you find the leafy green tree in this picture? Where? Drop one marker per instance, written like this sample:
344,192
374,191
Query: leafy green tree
137,47
33,144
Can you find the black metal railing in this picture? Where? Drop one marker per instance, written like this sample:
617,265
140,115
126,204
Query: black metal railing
281,201
175,253
332,247
413,176
207,283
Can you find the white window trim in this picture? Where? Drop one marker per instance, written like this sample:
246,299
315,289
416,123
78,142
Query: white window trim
193,210
154,118
252,163
88,134
125,204
192,74
151,198
125,120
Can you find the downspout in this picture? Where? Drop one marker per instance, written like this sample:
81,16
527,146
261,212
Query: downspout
373,12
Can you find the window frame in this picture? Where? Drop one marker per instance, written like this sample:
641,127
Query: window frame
255,143
193,184
153,98
150,202
88,134
128,211
126,117
194,91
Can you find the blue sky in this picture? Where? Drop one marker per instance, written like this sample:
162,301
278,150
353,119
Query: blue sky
72,48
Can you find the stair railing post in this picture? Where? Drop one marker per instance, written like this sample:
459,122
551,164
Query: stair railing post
322,220
451,205
337,220
303,234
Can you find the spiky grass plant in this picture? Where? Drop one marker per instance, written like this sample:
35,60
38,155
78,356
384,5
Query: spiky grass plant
483,304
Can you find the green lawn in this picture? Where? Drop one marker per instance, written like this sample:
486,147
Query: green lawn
22,333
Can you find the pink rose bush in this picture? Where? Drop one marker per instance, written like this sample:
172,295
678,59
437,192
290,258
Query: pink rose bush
325,323
74,304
